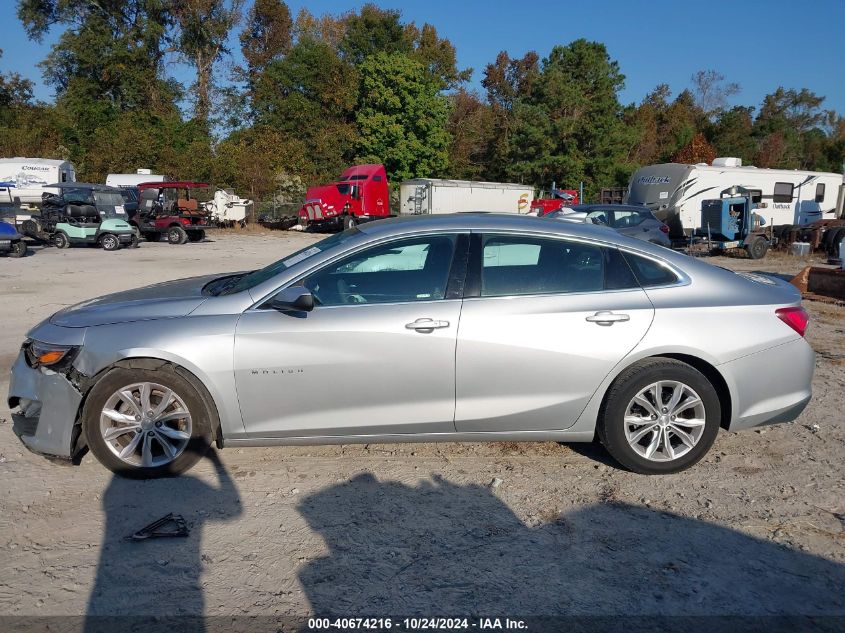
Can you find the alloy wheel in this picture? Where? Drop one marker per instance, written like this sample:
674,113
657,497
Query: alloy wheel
664,421
145,424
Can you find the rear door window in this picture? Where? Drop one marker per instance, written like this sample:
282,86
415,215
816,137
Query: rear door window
649,272
522,265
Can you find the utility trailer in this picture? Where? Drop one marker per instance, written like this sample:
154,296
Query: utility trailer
421,196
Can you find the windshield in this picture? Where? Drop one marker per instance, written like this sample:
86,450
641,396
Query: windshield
256,277
109,202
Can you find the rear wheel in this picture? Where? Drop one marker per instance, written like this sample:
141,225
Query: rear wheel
196,236
142,423
109,242
660,416
151,236
757,247
176,235
18,249
60,240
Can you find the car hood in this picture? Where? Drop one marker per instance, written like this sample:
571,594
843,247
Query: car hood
159,301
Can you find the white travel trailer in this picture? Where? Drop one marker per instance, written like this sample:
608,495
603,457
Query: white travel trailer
133,180
674,192
26,178
431,195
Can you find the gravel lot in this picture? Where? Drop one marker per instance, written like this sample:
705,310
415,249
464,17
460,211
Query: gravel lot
757,528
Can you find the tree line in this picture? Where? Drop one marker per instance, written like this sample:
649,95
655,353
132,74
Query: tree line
317,93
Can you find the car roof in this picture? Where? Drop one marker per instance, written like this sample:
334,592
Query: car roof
624,207
473,221
93,186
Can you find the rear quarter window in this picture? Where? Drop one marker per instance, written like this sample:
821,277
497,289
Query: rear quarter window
650,273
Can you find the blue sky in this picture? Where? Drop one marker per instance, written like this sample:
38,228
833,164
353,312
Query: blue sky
760,45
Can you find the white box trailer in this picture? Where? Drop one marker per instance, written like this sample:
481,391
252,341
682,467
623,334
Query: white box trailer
674,192
435,196
26,178
133,180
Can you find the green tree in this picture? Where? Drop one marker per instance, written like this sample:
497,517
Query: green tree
470,126
712,92
732,132
569,127
401,117
267,35
311,94
374,30
203,27
506,81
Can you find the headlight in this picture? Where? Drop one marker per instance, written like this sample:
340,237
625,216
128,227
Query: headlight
49,355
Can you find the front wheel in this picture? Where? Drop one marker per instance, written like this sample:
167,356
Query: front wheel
109,242
18,249
196,236
176,235
349,222
141,423
757,248
660,416
60,240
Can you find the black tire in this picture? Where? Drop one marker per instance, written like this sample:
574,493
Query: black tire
110,242
349,222
166,376
60,240
151,236
757,248
611,425
135,242
176,235
196,236
18,249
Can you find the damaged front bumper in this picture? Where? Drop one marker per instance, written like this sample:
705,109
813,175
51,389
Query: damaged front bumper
44,406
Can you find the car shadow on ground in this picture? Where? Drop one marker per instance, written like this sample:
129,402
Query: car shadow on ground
125,568
441,549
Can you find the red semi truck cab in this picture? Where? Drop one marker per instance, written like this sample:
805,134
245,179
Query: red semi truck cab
359,195
559,198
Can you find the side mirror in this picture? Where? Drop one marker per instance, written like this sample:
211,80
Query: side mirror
292,299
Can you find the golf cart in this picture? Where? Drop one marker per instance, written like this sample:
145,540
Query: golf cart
171,209
82,213
11,242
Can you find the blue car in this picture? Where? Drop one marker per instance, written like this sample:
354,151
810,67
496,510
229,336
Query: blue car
11,242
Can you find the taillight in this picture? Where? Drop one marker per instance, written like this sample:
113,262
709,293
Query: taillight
796,318
664,228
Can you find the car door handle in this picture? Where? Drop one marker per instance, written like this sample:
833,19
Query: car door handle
607,318
426,324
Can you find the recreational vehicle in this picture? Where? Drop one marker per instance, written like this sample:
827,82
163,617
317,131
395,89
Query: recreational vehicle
674,192
27,177
133,180
431,195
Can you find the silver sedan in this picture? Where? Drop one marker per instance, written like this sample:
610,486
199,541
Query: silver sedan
472,327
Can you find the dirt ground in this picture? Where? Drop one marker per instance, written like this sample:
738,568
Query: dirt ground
757,528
